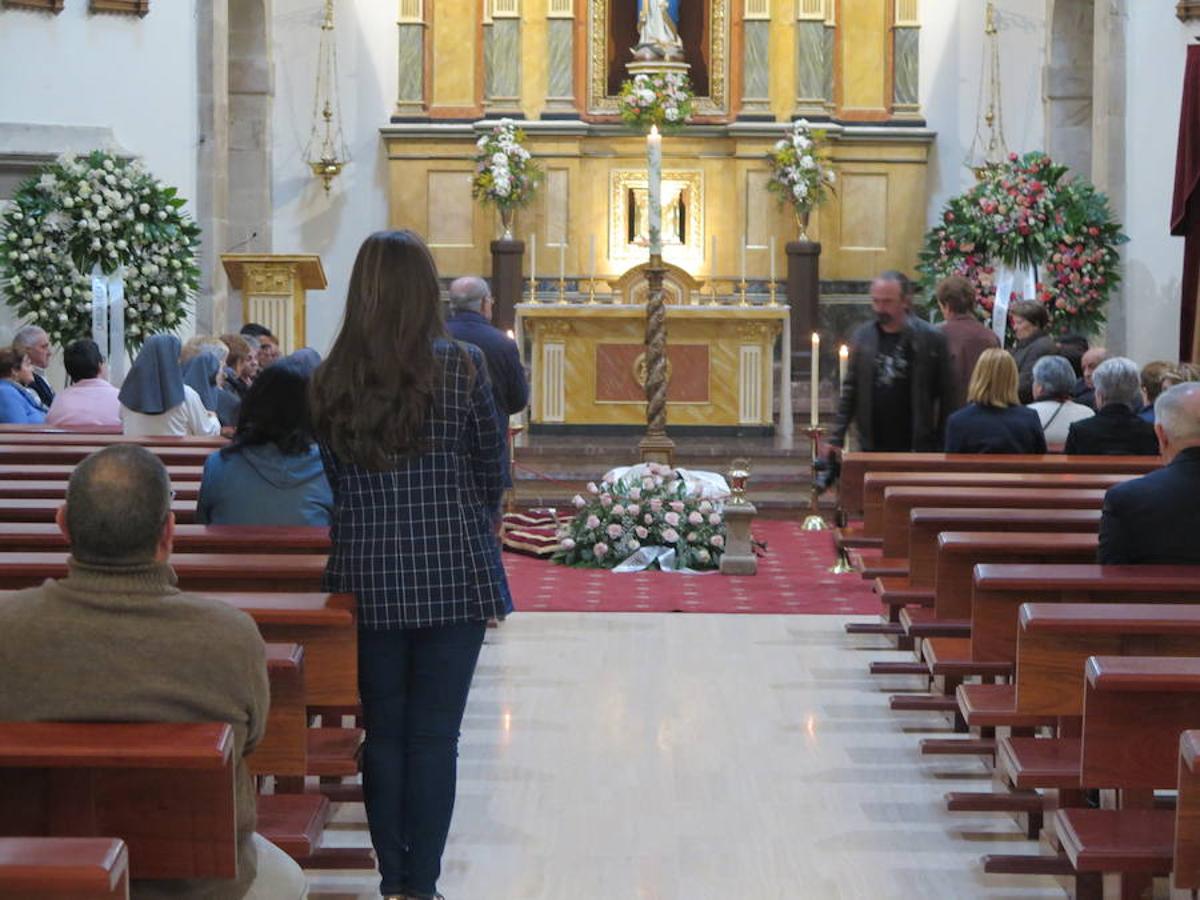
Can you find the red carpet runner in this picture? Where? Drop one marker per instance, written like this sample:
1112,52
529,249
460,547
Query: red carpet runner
793,577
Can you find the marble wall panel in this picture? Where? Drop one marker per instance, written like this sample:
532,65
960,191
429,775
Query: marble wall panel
756,60
410,88
557,200
864,211
760,209
814,63
450,210
502,57
560,51
905,91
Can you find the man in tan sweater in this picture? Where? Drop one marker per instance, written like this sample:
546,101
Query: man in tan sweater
116,641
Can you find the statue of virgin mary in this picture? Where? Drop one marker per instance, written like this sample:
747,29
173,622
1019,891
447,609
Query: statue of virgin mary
658,30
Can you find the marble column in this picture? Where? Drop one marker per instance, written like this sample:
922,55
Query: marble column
410,87
814,68
906,100
560,64
212,162
502,66
756,62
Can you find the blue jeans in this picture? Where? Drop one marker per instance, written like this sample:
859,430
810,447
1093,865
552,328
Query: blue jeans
413,684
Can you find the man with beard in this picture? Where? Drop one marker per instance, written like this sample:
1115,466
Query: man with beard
898,388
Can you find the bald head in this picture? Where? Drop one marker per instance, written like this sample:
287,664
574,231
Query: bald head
118,506
1089,361
1177,418
471,294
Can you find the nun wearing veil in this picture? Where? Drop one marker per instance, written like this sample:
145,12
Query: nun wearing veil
155,400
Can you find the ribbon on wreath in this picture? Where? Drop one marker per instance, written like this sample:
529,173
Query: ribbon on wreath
108,319
1021,281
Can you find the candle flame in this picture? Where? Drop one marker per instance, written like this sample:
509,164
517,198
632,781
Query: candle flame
843,351
511,335
653,131
816,338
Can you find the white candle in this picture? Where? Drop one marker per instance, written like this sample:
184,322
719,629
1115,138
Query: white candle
654,189
562,259
843,362
712,263
743,258
533,268
772,252
813,416
591,257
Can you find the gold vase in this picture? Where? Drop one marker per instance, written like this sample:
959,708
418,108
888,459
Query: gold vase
507,214
802,216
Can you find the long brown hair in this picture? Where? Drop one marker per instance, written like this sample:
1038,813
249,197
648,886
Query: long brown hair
371,396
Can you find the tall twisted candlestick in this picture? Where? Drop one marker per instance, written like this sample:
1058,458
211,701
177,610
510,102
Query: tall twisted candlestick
814,521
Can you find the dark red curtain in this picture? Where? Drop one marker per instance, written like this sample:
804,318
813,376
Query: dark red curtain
1185,210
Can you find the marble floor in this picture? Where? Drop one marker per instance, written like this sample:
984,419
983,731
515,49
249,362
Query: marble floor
666,756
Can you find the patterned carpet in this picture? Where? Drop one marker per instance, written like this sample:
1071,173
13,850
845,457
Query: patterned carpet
793,577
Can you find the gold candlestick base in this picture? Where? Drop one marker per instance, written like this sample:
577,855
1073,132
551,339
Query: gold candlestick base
814,521
742,293
562,292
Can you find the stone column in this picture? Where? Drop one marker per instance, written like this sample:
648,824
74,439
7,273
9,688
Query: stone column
739,558
507,261
502,65
756,63
803,292
212,162
814,58
560,61
410,56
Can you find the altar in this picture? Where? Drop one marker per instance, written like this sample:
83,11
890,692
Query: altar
587,366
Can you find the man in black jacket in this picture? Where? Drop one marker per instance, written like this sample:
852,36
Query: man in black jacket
470,321
1116,429
1156,518
898,388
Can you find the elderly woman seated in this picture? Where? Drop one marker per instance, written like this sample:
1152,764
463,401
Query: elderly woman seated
1053,382
1116,429
994,421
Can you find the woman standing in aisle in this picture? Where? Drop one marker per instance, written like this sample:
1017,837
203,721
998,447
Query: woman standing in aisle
408,435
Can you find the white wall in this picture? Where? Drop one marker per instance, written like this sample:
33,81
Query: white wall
135,76
1156,47
952,58
307,220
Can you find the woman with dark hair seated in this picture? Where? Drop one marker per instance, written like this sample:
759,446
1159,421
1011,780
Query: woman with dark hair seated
994,421
17,405
1029,322
271,473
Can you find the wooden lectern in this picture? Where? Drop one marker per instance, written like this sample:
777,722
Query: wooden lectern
273,287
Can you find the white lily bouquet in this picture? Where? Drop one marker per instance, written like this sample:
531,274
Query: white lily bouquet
800,171
505,173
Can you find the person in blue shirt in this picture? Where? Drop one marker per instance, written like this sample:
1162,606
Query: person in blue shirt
271,472
17,406
994,421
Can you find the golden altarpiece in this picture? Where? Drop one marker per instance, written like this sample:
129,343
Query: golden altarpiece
849,66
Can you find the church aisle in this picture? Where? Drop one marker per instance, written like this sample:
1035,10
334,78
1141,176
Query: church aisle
699,756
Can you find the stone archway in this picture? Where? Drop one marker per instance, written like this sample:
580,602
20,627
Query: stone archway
1067,83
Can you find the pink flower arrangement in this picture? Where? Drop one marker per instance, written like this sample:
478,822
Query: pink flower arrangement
695,517
593,522
600,549
671,518
615,531
670,535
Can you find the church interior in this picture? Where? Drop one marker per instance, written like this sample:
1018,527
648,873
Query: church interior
762,731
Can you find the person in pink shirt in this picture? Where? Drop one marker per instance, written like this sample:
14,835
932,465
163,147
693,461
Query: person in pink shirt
90,400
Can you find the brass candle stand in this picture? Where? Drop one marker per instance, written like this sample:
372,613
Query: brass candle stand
562,292
742,293
814,521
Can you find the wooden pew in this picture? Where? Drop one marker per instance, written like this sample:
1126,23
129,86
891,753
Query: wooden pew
899,503
44,510
165,790
57,490
856,465
40,472
71,454
43,536
197,572
1187,814
61,868
1162,696
72,438
876,483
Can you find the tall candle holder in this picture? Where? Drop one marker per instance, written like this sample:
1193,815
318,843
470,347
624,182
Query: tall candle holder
562,292
772,301
591,292
742,293
814,521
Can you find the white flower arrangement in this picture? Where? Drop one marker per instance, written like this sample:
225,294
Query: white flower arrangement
652,509
98,210
800,173
505,172
664,100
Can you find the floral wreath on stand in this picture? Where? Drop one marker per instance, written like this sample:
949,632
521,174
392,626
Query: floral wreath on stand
506,175
100,211
1025,213
648,507
801,175
662,98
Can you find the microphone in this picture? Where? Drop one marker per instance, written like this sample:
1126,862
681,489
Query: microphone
241,244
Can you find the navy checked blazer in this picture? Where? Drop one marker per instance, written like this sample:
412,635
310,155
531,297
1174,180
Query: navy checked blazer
415,544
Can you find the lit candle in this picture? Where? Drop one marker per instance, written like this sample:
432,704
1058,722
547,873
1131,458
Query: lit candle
843,362
654,189
511,335
816,384
533,268
772,251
